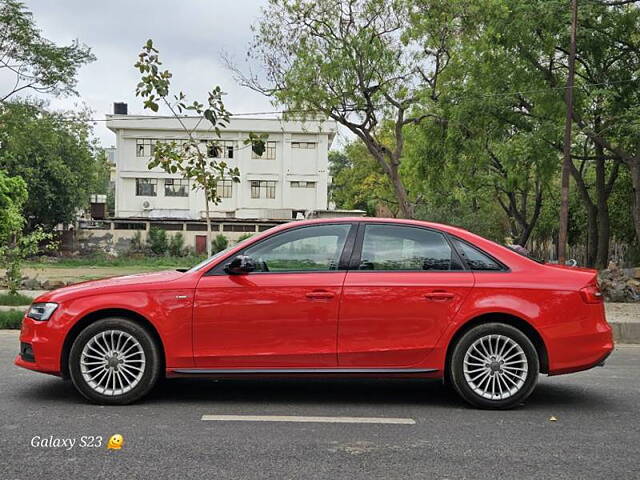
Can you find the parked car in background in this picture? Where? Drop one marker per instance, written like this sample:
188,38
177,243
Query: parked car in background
353,296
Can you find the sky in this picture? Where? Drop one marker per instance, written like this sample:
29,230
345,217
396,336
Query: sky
191,35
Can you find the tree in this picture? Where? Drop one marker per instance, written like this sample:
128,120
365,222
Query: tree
30,62
186,157
54,154
359,62
14,245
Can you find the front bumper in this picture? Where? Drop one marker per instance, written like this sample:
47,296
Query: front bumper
45,344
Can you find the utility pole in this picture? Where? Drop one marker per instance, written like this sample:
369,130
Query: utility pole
566,163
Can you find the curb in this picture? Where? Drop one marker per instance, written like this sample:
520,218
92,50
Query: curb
626,332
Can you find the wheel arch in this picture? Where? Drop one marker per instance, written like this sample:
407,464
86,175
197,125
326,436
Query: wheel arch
509,319
99,315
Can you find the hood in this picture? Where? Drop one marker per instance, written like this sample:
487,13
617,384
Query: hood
110,284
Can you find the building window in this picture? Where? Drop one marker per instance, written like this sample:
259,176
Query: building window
238,228
176,187
129,226
303,184
146,187
225,188
263,189
145,147
303,145
268,154
220,148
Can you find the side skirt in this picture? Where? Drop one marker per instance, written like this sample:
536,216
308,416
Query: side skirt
228,371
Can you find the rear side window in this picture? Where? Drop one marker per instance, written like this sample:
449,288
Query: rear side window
475,259
393,247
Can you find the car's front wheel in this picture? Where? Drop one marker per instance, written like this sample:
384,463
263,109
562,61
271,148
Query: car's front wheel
494,365
114,361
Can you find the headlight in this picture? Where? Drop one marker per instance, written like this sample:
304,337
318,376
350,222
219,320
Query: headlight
41,311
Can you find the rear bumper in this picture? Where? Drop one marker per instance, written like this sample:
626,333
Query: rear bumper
582,345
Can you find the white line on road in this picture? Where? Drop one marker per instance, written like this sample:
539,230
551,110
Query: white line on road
299,419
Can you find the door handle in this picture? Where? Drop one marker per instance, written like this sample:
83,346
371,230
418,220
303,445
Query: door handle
439,296
320,295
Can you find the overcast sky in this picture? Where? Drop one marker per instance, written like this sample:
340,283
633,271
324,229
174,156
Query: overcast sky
190,34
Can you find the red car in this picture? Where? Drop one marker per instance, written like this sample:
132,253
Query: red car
357,297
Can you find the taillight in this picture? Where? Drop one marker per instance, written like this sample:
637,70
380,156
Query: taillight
591,294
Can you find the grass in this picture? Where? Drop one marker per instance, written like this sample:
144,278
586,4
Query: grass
11,319
15,300
123,261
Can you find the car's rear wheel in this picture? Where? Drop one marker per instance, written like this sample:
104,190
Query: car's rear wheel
494,365
114,361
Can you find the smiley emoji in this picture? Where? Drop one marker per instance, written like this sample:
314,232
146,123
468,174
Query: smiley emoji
115,442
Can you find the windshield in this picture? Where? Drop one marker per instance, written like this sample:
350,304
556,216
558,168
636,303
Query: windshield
197,267
218,255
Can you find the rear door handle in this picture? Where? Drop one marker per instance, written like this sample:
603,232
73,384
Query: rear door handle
439,296
320,295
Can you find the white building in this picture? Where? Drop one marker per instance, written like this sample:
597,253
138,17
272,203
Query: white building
289,179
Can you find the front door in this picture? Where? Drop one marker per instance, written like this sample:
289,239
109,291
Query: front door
406,287
283,315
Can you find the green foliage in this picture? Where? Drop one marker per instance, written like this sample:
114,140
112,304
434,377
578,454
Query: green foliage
364,64
15,299
14,252
244,236
219,243
37,64
11,319
134,260
136,245
176,245
157,241
54,154
13,195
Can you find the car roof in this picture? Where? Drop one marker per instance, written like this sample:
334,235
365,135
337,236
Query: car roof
398,221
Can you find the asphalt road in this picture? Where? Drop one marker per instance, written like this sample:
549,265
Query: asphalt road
596,435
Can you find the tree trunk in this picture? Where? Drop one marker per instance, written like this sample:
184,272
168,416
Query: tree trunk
634,169
592,234
405,208
206,208
602,252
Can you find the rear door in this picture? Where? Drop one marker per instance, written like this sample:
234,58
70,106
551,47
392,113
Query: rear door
405,285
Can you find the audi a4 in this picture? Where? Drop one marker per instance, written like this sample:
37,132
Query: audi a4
348,297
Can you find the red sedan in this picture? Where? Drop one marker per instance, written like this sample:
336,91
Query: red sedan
358,297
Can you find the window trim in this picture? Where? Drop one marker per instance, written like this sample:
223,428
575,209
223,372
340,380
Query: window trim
343,261
503,268
356,257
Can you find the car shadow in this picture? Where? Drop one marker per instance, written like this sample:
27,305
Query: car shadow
374,392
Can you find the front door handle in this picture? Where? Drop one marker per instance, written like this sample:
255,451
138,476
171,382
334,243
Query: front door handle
439,296
320,295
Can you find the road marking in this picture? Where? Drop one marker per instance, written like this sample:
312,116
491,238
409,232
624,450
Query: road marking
300,419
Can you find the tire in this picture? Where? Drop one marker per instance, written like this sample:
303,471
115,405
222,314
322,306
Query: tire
494,366
120,379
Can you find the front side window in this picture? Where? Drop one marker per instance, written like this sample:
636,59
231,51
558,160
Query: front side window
146,187
309,249
268,154
263,189
394,247
176,187
475,259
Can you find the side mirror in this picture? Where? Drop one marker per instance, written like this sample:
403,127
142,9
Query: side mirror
240,265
